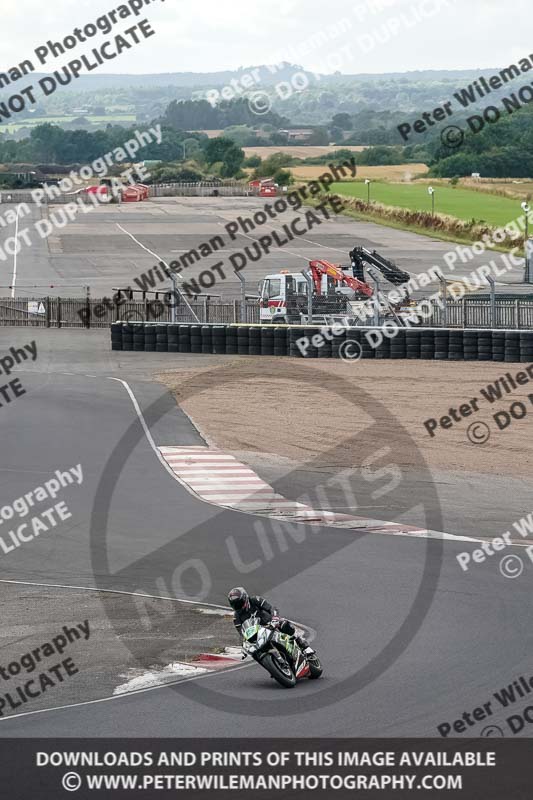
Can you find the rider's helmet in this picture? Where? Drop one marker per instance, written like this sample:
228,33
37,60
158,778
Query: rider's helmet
239,599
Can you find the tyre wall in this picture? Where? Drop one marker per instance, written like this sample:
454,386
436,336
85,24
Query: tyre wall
436,344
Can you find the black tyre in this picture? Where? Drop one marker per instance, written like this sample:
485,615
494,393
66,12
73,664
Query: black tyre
184,333
267,340
398,354
526,347
281,342
498,345
195,333
284,675
207,339
295,335
311,349
219,339
427,345
413,344
337,344
242,340
231,341
326,351
470,345
442,343
383,348
315,667
455,346
398,344
512,347
512,357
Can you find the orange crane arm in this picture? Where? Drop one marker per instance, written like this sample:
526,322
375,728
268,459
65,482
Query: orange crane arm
320,267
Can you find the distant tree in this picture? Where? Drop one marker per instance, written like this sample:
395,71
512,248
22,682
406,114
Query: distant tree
320,136
343,121
269,166
278,139
460,164
232,162
283,177
336,134
380,156
193,115
217,148
225,152
242,135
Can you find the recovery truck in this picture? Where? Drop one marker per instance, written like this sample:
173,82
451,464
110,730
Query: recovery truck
337,291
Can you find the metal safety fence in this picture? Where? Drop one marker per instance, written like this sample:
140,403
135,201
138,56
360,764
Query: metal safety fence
476,313
175,189
201,189
83,312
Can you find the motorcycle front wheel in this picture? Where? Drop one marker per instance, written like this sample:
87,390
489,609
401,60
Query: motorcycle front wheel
280,671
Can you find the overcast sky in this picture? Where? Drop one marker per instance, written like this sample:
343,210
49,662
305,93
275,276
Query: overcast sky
364,35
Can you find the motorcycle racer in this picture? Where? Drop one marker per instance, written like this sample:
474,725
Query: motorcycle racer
244,606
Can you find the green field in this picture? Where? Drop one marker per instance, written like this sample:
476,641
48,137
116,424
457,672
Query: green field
461,203
58,120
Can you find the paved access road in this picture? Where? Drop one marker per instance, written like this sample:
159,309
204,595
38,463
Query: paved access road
112,245
467,637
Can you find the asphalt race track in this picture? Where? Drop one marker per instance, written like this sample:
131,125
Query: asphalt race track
389,670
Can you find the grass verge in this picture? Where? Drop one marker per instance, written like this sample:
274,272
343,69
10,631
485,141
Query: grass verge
446,229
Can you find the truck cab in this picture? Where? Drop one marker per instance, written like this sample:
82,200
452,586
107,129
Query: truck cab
276,289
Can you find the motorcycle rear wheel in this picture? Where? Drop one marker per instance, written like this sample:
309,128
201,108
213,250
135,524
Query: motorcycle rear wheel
283,678
315,667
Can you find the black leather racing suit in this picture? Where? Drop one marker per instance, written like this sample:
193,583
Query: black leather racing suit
265,611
